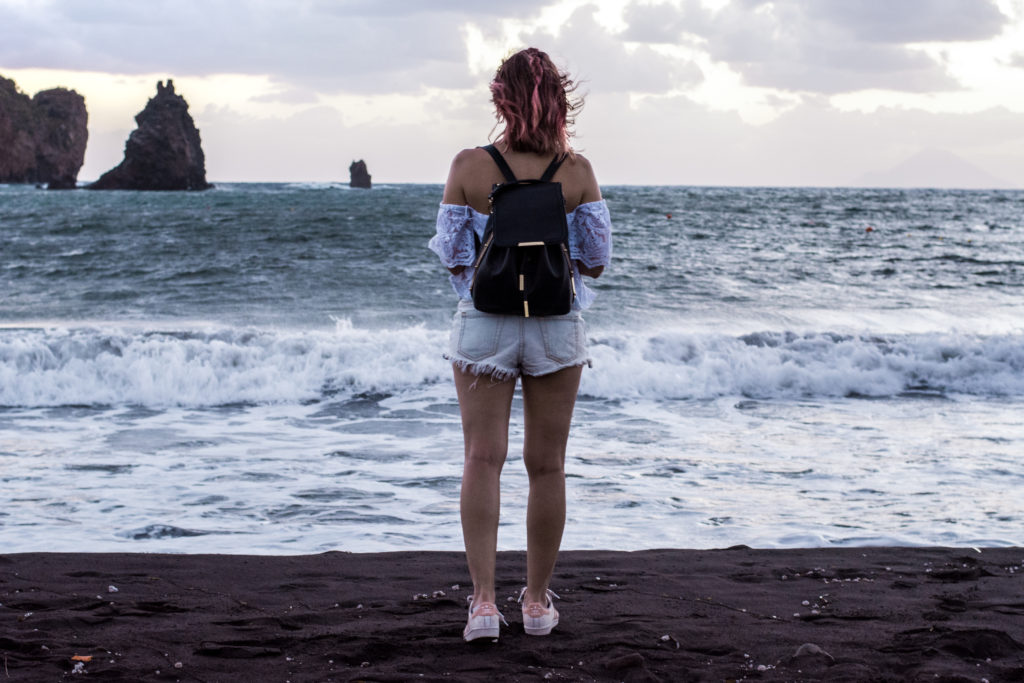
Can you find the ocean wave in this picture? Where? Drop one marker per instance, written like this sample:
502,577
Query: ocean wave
681,365
197,368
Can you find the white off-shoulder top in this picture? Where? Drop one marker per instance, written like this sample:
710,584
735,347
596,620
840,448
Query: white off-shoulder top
590,243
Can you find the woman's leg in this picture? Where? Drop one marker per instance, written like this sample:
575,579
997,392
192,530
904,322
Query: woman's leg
548,403
485,406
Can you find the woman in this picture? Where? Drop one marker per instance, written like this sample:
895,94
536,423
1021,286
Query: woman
489,352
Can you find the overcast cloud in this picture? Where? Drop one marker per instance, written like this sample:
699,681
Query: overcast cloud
329,46
606,65
811,144
822,46
805,92
818,46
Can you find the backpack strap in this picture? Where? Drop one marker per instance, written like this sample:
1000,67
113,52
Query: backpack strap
506,171
553,167
500,161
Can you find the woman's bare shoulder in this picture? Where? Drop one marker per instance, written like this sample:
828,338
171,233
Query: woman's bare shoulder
580,161
583,173
466,166
470,159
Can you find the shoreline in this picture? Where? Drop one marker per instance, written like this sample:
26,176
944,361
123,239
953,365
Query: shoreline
861,613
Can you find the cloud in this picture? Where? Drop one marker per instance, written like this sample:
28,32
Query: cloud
417,7
911,21
611,66
325,46
820,46
664,23
287,96
674,140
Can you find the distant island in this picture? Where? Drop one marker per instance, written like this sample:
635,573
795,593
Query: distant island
42,139
933,168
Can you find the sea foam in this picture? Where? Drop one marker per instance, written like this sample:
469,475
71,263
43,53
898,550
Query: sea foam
196,368
209,367
681,365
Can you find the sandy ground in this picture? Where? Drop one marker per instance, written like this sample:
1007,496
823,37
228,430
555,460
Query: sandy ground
849,614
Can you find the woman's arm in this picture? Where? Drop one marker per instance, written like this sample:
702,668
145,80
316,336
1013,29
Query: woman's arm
591,193
454,190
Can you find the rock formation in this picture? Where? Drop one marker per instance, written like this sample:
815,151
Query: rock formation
42,139
164,152
358,175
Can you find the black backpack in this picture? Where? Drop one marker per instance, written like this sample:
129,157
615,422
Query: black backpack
523,266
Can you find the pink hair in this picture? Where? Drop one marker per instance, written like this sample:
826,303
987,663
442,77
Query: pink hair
533,98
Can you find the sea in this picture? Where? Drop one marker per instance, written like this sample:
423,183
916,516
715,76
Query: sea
258,369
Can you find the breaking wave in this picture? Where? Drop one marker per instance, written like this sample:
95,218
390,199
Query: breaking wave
197,368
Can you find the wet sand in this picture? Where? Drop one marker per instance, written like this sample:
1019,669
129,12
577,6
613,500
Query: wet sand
835,614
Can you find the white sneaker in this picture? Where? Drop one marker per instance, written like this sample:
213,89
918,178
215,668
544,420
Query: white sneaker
482,621
538,620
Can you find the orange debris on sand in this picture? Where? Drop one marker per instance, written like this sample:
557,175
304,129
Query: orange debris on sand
82,658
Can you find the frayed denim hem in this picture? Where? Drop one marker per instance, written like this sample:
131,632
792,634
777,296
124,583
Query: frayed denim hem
501,374
479,369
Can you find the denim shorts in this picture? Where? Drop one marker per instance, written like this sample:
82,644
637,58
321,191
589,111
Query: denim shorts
506,346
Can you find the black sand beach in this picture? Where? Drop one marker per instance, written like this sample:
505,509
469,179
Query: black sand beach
846,614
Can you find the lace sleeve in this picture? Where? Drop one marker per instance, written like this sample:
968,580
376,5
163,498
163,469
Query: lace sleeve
453,242
590,234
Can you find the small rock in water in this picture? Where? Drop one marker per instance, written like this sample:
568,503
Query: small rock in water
112,589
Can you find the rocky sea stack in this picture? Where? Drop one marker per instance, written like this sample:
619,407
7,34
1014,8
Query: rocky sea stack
164,152
358,175
42,139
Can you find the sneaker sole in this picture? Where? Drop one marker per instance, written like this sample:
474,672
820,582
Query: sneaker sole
543,631
487,631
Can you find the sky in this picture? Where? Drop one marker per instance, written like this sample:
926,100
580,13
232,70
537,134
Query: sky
918,93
